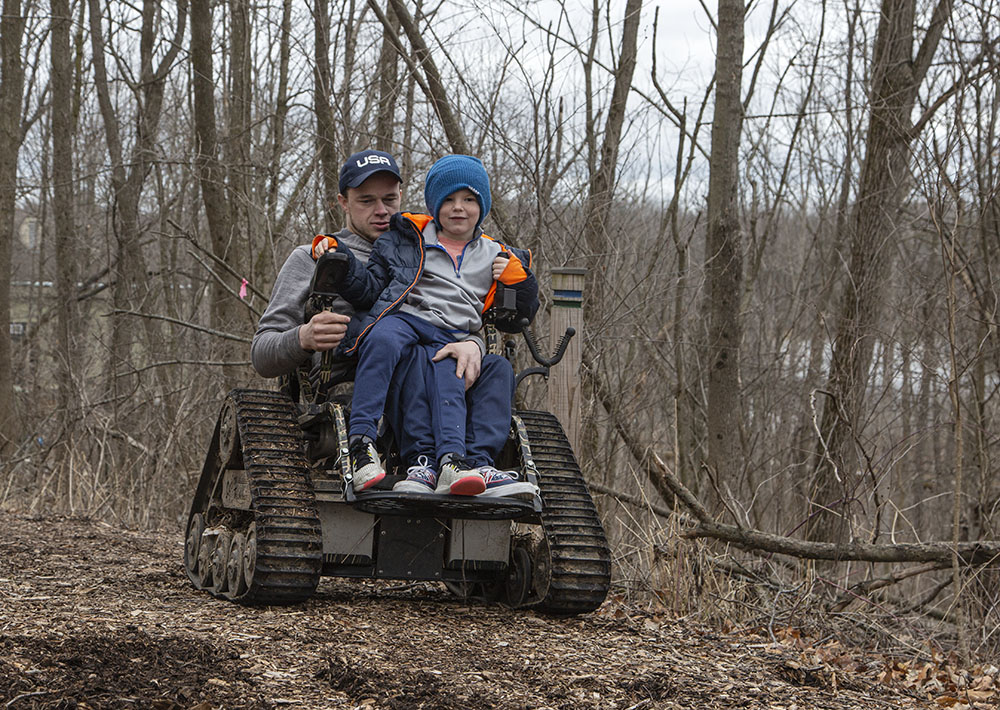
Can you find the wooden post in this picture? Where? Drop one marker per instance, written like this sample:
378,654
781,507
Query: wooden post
564,379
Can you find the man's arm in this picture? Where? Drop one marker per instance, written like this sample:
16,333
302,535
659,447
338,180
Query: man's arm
468,359
282,342
323,332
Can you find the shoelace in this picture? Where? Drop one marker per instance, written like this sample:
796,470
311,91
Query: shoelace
359,449
491,473
461,464
422,470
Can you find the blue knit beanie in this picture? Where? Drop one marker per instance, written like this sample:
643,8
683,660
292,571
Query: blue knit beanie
451,174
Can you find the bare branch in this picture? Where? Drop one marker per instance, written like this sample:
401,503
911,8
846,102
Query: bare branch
435,86
192,326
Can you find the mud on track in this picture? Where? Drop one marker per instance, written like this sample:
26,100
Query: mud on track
96,617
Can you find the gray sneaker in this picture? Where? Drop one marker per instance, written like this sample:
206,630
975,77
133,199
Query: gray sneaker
505,484
458,478
368,469
419,479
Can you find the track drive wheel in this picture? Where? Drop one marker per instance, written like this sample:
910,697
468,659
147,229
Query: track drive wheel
220,562
192,543
235,580
254,533
229,436
517,585
206,551
249,560
572,563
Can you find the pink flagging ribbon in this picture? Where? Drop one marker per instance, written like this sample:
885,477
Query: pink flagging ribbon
243,289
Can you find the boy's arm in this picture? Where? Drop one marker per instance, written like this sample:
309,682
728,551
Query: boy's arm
361,284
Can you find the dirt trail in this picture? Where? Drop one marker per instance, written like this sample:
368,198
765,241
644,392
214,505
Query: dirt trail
96,617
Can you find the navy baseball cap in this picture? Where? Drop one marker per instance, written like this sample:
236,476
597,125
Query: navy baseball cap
361,166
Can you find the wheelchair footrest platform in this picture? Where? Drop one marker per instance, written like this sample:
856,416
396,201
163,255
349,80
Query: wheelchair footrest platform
436,506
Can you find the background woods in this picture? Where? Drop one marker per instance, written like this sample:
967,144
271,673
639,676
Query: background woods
789,216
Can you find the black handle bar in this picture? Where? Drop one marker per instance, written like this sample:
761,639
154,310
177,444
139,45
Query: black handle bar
529,338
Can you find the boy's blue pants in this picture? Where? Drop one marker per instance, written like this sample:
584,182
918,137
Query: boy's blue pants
425,403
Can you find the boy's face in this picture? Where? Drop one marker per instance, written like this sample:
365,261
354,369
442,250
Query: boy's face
459,215
369,206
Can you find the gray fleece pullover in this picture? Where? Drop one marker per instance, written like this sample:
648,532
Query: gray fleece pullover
452,296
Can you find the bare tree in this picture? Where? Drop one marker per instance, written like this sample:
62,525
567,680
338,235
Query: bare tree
63,212
724,257
211,172
238,144
388,84
433,84
128,178
11,88
326,131
600,190
280,112
897,76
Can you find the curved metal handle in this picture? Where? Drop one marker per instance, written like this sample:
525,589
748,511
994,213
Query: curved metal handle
563,343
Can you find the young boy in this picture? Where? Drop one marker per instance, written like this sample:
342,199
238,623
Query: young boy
427,283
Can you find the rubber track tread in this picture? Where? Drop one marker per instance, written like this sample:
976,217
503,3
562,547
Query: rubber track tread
289,535
579,554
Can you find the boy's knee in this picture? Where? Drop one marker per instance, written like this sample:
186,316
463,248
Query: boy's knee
384,333
497,369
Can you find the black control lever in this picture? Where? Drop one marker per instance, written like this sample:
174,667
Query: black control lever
331,268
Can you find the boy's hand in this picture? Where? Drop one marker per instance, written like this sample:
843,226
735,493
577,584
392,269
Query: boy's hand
508,269
321,245
324,331
468,357
499,264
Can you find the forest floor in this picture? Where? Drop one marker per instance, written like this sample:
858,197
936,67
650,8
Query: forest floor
92,616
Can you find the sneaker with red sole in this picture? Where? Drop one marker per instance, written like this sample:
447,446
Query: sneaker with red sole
458,477
368,469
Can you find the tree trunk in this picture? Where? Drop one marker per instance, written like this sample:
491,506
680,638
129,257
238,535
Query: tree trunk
434,87
63,208
242,201
350,25
325,130
602,164
388,85
278,124
131,288
896,78
600,192
210,169
684,409
11,88
723,254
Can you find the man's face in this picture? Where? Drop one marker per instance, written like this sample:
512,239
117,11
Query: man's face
369,205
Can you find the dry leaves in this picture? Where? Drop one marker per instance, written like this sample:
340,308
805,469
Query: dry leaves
936,677
143,637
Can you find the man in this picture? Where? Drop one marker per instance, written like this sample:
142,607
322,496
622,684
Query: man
369,194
